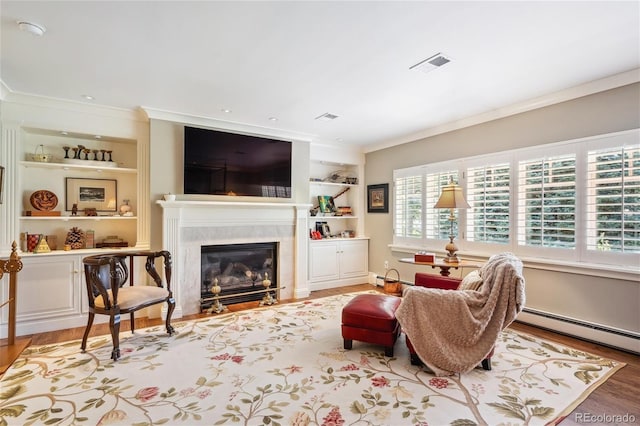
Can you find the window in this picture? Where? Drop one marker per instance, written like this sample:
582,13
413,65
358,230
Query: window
613,201
415,188
576,200
408,219
547,202
438,223
488,194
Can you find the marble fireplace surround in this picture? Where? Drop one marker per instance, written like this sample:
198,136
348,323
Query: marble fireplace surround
188,225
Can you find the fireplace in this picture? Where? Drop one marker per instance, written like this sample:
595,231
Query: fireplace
189,225
239,270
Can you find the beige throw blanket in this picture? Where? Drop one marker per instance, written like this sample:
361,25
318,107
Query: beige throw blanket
453,331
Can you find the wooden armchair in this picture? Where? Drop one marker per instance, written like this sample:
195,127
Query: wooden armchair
106,276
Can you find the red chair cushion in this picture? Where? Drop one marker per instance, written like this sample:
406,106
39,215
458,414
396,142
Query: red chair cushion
436,281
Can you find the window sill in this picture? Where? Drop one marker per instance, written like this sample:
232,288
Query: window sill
629,273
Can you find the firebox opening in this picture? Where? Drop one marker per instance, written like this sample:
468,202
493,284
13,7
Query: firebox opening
240,270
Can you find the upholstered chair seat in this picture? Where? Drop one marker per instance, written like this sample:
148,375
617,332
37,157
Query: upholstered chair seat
129,297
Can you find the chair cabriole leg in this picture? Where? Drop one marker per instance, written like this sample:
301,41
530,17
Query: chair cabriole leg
86,331
171,305
114,326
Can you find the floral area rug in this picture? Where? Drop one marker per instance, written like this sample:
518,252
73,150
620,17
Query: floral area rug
285,365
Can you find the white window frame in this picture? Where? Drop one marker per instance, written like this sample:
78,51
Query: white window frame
579,255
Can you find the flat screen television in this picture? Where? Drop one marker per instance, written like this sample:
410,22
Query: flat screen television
223,163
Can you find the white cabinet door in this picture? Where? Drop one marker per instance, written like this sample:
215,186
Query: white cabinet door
323,260
48,287
354,258
336,263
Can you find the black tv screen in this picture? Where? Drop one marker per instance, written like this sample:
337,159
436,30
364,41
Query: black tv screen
223,163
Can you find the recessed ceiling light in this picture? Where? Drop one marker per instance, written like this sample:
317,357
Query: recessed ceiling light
273,119
225,110
98,137
33,28
64,133
88,97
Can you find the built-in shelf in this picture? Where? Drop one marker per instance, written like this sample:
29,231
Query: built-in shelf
315,182
332,217
77,167
68,218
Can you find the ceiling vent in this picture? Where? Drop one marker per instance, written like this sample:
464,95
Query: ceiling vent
326,117
430,64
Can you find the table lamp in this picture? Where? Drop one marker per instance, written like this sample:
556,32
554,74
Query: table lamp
451,198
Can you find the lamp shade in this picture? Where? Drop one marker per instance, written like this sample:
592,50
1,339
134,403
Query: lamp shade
451,198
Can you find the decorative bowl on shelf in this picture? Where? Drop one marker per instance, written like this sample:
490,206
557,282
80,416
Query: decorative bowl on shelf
43,200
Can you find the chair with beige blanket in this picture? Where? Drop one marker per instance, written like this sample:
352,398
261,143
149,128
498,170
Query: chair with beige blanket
454,331
106,277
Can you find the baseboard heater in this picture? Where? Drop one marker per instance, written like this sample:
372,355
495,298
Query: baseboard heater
380,281
607,336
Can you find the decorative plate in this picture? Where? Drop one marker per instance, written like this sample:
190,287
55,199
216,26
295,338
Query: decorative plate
43,200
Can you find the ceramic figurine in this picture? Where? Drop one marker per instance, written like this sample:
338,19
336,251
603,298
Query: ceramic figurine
125,208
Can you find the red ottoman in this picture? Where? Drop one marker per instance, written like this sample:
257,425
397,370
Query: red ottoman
371,318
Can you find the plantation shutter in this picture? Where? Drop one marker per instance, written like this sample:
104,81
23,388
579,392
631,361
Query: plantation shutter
408,206
613,199
546,202
488,195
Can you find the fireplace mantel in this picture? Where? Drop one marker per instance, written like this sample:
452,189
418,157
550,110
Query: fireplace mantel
212,203
187,224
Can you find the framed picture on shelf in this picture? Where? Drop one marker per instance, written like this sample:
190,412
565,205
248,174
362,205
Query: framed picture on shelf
326,231
378,198
99,194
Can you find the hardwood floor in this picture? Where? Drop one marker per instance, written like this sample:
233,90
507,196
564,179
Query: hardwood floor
616,397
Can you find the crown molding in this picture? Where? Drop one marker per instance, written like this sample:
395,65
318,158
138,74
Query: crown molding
196,120
596,86
72,106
